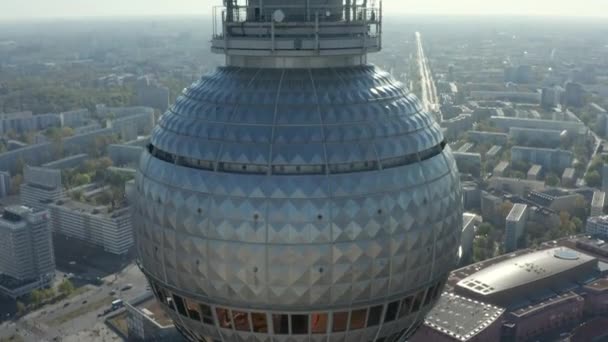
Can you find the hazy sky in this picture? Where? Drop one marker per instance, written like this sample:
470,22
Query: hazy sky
17,9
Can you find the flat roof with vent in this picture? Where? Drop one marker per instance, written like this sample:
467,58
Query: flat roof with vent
527,269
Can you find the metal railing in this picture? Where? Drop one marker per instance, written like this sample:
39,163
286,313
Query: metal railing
357,13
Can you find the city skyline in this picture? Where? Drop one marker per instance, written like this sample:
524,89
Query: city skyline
29,9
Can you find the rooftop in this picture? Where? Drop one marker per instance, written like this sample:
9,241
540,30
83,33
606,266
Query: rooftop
467,218
569,172
502,166
462,318
464,272
16,213
539,149
546,197
526,310
524,269
517,212
598,199
597,107
535,169
120,210
599,285
599,219
465,147
494,150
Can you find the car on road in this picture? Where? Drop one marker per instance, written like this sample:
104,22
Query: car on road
127,287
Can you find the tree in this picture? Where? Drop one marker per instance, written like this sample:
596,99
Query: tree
104,163
485,229
67,132
20,165
81,179
66,287
552,180
578,224
593,179
518,175
581,207
505,208
16,182
520,165
36,297
21,308
48,294
579,168
566,227
480,251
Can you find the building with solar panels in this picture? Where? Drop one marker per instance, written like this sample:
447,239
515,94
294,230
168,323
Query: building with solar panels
297,193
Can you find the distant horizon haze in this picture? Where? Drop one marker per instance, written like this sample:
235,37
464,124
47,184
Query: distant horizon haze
34,9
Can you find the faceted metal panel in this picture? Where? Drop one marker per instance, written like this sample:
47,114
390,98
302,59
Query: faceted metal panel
298,242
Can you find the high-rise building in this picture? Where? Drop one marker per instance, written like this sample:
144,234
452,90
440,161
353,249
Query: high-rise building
5,183
574,95
555,160
149,93
551,96
598,203
468,163
41,186
515,226
298,193
605,178
597,226
27,261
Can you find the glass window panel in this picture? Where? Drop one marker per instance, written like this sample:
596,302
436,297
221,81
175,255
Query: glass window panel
299,324
260,325
357,319
162,296
179,303
391,311
406,305
418,301
375,313
206,313
171,303
438,290
241,320
223,318
280,324
193,310
393,337
340,321
318,321
430,295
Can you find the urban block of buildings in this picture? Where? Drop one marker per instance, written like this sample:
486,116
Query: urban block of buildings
103,226
524,295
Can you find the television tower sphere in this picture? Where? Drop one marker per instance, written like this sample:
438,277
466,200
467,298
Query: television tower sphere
298,193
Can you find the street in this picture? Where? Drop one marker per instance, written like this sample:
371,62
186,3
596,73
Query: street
79,318
430,100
